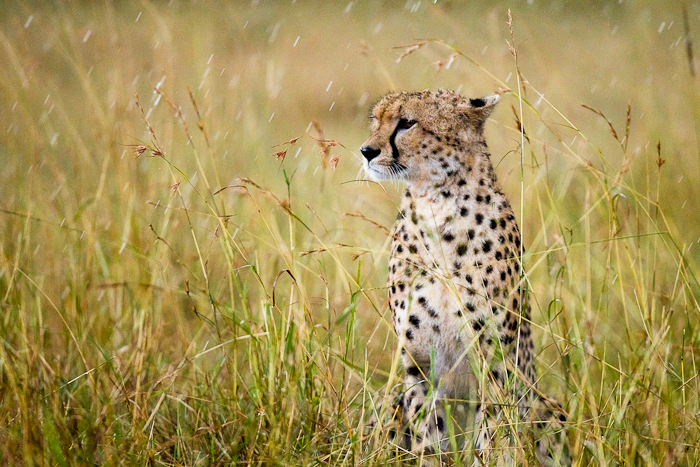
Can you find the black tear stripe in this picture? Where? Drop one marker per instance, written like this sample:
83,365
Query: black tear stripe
392,142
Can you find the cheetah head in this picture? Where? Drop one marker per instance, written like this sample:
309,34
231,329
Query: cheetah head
410,131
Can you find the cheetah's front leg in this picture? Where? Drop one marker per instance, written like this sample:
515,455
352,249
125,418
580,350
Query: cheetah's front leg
424,415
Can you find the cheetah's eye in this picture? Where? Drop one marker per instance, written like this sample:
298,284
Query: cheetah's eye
405,124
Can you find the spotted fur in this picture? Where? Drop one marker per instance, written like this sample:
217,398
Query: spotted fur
458,304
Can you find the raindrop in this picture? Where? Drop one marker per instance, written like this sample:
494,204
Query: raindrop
273,35
273,114
296,41
87,35
329,86
509,75
349,7
209,61
122,248
28,22
331,106
138,17
661,28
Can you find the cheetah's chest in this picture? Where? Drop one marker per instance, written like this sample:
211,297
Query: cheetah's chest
452,268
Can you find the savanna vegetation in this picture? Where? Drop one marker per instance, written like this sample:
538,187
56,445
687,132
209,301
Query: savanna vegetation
192,269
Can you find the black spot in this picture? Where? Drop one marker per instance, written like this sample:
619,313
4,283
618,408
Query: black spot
482,182
413,371
562,418
464,212
517,242
432,313
409,335
408,194
403,304
402,286
436,328
501,239
517,267
479,198
478,325
468,278
465,197
458,312
502,222
461,182
503,275
421,300
457,265
448,237
446,194
479,218
493,224
419,286
487,246
499,256
461,249
471,234
471,307
393,289
440,424
515,303
414,320
399,249
489,269
477,102
413,249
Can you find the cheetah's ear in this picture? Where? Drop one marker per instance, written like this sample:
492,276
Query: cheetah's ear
478,110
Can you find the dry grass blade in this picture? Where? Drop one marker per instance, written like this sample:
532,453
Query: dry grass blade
409,49
688,41
365,218
607,120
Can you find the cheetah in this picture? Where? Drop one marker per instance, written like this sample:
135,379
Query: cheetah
457,298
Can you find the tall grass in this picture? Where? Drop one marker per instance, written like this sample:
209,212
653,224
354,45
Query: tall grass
183,282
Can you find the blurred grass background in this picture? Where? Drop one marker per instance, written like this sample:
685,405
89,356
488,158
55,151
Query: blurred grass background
217,305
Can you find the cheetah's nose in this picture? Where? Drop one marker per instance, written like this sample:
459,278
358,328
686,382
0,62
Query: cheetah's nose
370,153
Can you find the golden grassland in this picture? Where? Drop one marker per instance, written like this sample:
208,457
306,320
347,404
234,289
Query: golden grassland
184,282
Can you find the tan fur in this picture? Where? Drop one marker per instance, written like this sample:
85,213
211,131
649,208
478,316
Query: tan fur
459,310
